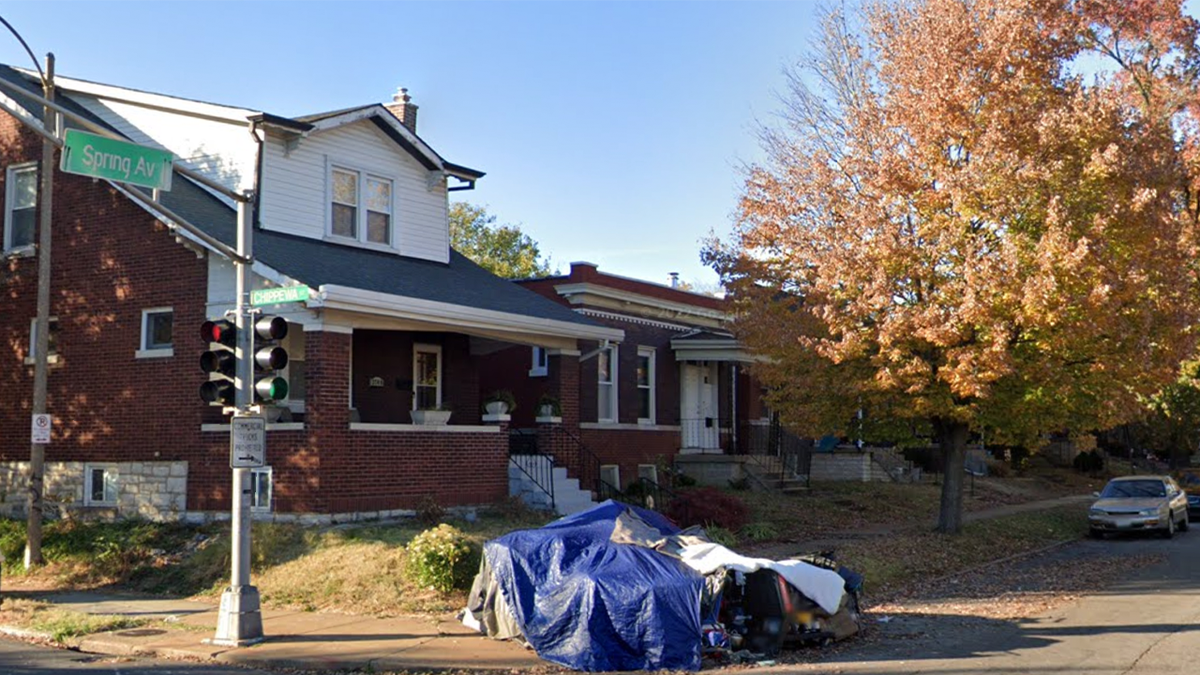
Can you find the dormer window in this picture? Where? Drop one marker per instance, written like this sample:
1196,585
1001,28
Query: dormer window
361,206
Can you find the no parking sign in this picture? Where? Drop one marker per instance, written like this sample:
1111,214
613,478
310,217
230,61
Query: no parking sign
40,433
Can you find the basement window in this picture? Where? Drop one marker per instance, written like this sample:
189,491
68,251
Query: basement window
260,489
99,485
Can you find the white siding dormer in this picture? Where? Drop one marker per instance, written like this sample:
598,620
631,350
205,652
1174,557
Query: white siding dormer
297,190
220,149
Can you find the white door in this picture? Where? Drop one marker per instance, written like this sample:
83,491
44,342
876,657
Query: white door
698,406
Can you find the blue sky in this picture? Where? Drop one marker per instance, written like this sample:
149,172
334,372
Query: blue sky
611,132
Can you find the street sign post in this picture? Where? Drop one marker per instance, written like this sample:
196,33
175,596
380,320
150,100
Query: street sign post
92,155
278,296
247,442
40,433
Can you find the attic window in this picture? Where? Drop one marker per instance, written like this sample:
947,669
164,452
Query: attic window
350,191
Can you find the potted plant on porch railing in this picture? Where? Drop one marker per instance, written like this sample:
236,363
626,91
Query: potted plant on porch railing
437,415
500,402
549,408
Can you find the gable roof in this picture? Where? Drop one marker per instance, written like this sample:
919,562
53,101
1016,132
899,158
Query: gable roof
459,283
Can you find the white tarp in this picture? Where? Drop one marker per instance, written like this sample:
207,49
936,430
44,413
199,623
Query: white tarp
822,586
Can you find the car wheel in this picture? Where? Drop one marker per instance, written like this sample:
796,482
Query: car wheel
1095,533
1169,532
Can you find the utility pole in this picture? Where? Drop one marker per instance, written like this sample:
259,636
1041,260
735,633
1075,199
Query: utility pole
239,620
37,451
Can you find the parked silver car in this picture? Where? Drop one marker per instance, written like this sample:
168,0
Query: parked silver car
1138,504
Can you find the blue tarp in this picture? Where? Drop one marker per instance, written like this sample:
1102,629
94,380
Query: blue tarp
586,603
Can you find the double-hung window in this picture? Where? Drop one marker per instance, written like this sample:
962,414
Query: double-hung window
606,390
52,353
645,385
540,362
20,206
361,206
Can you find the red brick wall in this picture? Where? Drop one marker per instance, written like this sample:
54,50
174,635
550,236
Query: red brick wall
111,260
628,448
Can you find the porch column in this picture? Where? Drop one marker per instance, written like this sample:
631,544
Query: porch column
326,415
563,383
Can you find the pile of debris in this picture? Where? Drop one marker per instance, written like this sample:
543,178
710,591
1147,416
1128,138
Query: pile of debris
617,587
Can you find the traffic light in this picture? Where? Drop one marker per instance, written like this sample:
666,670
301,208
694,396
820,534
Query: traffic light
268,358
221,336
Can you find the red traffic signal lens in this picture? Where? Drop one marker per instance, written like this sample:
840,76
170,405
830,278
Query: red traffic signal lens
222,331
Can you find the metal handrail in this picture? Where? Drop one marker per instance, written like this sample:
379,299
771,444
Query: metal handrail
544,479
588,460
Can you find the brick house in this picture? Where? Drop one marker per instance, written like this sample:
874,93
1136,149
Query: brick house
352,203
677,385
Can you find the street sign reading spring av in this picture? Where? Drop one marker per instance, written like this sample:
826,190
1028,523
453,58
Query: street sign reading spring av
247,442
91,155
278,296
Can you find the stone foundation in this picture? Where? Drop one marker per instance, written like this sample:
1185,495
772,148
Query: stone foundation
151,490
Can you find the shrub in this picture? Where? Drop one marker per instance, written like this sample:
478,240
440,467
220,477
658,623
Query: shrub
429,512
760,531
998,468
442,558
722,536
709,507
1088,461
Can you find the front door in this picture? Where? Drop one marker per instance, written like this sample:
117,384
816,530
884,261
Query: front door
699,427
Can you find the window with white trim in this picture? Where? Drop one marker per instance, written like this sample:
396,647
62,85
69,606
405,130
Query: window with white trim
648,473
20,206
52,355
360,206
427,377
99,485
158,325
606,389
540,360
295,369
260,489
645,385
611,474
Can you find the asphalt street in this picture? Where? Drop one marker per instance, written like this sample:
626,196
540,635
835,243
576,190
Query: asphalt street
20,658
1146,623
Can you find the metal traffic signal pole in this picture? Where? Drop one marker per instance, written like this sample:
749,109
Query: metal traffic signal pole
239,621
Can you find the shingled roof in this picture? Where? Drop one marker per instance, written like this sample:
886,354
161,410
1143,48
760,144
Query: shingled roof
317,263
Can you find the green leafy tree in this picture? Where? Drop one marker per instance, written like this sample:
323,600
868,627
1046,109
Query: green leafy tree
501,249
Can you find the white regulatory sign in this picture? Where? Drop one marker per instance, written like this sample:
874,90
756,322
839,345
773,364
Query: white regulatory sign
247,442
40,432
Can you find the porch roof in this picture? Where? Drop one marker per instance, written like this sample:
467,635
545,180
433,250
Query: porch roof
457,293
709,345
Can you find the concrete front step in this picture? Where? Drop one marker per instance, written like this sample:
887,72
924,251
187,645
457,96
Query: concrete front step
568,497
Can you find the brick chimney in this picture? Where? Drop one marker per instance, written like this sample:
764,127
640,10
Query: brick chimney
404,109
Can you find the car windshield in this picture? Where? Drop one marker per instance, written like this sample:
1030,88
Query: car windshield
1134,488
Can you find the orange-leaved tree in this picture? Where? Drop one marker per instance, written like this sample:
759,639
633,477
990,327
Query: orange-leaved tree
975,214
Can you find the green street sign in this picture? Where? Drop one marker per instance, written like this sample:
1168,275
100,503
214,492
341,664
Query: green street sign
278,296
91,155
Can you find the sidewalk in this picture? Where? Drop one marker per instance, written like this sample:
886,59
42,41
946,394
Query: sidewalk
312,641
293,639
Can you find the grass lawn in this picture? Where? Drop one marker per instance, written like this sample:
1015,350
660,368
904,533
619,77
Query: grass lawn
361,569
